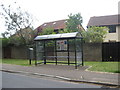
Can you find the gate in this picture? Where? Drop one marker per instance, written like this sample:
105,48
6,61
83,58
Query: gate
111,51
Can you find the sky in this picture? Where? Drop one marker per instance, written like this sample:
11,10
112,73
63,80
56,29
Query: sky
53,10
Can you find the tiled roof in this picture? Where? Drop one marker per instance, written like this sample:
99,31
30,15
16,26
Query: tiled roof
104,20
60,24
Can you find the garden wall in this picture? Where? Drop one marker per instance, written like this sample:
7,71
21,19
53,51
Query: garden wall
92,51
14,52
19,52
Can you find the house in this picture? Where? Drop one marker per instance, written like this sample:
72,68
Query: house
56,25
27,33
110,21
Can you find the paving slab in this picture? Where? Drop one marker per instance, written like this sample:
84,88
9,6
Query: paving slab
80,74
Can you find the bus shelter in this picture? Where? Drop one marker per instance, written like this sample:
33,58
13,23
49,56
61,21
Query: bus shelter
63,48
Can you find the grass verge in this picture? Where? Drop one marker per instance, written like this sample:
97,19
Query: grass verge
104,66
17,62
96,66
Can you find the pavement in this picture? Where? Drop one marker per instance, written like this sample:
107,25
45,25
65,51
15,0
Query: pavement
65,72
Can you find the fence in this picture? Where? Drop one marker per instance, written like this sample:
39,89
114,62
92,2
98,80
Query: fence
19,52
91,52
111,51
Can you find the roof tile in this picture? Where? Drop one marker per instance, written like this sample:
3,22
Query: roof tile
104,20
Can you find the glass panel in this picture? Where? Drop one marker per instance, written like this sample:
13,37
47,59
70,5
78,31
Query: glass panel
79,57
78,45
72,45
72,57
50,55
62,54
39,50
50,46
40,47
62,57
39,56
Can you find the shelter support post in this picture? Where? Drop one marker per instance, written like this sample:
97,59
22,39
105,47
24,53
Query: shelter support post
55,52
75,54
82,51
44,53
35,54
68,52
29,61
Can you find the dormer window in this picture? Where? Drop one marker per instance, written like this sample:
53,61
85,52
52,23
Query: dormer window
54,23
65,22
44,24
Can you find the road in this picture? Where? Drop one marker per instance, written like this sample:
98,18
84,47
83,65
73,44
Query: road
10,80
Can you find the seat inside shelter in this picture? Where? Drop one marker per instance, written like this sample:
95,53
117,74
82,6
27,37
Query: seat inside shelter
63,48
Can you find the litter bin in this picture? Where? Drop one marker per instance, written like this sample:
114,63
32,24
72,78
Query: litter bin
31,55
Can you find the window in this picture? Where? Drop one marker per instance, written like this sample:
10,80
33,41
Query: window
56,30
54,23
65,22
44,24
112,29
112,41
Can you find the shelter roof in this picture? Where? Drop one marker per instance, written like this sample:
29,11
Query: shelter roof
59,36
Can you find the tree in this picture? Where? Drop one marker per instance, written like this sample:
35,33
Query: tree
47,31
64,31
95,34
28,35
16,20
5,42
74,22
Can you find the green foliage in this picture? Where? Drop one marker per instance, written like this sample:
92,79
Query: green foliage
16,21
73,22
17,62
27,37
72,25
50,43
47,31
65,31
17,41
5,42
95,34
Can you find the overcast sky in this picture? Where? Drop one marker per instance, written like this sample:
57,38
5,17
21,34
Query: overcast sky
52,10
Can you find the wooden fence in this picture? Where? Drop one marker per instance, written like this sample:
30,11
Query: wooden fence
111,51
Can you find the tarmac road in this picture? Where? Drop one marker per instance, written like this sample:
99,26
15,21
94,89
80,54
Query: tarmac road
11,80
